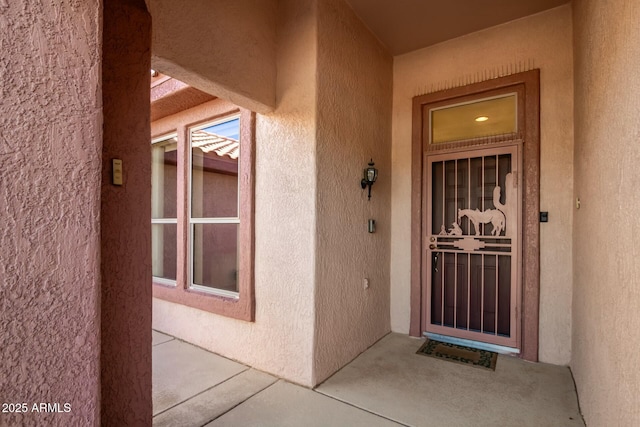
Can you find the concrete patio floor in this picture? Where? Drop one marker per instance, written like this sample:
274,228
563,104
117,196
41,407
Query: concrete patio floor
387,385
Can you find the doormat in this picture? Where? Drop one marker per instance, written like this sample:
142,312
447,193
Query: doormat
459,354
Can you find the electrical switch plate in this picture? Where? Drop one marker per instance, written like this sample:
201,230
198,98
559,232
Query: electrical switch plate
117,171
365,282
544,216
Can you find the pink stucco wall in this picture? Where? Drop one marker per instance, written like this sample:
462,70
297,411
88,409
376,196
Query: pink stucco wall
354,89
50,141
332,114
206,44
280,341
606,297
125,217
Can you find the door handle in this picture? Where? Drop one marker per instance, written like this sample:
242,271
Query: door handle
435,262
432,246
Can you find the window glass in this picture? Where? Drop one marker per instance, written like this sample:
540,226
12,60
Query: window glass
164,208
214,170
477,119
215,256
163,178
215,152
164,245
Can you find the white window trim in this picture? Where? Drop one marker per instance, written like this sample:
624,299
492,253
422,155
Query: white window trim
223,220
156,279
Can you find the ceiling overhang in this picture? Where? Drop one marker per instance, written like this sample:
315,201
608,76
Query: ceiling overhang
407,25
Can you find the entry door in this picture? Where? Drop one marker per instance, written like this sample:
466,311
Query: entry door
471,249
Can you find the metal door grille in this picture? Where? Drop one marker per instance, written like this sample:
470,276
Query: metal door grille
472,245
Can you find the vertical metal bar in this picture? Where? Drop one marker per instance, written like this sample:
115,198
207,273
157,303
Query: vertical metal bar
444,219
468,291
497,281
481,226
444,189
469,256
482,294
482,234
469,191
497,175
455,290
455,256
442,291
497,256
497,178
455,189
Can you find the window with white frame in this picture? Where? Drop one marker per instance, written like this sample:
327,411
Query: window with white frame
164,218
202,209
214,214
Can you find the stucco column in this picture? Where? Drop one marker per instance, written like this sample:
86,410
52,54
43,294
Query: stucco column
126,217
606,290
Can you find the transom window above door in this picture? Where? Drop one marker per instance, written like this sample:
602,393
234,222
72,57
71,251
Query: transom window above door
479,118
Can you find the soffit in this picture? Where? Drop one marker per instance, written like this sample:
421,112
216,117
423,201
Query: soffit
407,25
170,96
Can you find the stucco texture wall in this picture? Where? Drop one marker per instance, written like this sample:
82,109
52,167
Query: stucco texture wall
50,141
606,297
125,221
224,47
545,41
280,340
354,78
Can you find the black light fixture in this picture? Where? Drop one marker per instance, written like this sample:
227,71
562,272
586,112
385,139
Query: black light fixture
370,176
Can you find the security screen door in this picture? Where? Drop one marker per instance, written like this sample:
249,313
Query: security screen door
471,250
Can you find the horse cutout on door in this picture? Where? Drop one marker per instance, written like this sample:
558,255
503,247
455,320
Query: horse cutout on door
477,217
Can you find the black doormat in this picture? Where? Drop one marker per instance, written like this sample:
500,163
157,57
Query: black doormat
459,354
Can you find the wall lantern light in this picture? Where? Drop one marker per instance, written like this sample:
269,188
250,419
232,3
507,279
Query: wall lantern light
370,176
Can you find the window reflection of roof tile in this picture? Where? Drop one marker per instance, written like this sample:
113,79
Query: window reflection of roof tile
220,145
